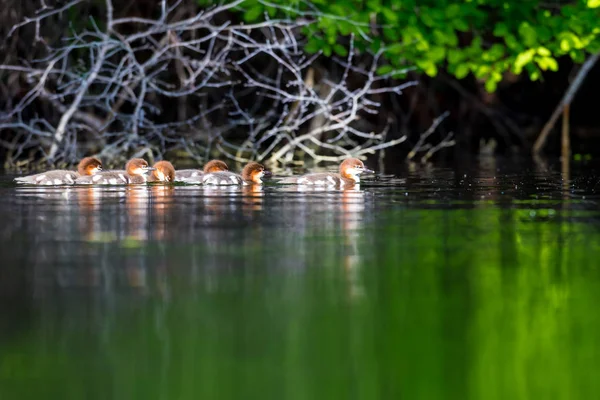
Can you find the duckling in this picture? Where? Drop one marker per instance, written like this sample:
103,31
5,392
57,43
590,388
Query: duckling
252,173
163,172
87,166
195,175
350,170
135,172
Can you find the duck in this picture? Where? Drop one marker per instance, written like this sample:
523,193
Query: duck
88,166
350,170
195,175
163,172
252,173
135,172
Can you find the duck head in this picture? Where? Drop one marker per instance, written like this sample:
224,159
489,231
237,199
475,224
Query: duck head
352,168
89,166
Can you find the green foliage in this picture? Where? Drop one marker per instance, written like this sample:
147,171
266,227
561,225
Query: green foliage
485,38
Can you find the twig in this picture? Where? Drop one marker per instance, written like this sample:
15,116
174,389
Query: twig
567,99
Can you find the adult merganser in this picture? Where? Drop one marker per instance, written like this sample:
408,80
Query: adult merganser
195,175
350,171
86,167
251,174
163,172
135,172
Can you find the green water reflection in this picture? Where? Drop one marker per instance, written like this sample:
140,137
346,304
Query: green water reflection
484,302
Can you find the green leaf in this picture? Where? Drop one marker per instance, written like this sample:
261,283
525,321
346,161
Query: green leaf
461,25
452,11
512,42
528,34
253,13
426,18
340,50
373,5
391,34
422,45
384,69
452,39
462,70
593,3
482,71
455,56
396,49
375,45
495,52
431,70
491,85
428,67
390,16
542,51
544,33
522,59
314,45
437,54
534,75
547,63
500,30
577,55
345,28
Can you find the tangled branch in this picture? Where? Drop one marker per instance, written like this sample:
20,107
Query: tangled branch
194,82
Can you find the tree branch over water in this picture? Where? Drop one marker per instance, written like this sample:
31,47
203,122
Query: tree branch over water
197,83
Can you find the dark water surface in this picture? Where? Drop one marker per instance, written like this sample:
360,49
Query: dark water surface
478,283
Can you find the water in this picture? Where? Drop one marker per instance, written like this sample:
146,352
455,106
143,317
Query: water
477,283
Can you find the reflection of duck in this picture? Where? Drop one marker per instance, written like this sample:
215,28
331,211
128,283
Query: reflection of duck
163,172
195,175
135,172
162,200
353,205
87,166
349,175
136,202
89,201
252,197
251,174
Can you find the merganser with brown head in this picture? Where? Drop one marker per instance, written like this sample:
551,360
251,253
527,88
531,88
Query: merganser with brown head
163,172
87,166
252,173
350,171
135,172
195,175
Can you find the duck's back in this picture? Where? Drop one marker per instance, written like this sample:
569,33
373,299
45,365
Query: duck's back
55,177
318,179
222,178
117,177
189,175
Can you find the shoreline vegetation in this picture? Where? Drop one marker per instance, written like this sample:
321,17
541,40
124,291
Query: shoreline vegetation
285,83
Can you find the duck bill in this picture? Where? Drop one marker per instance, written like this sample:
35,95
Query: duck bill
368,171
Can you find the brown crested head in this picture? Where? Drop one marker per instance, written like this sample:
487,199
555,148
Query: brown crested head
253,172
137,166
164,171
351,168
215,166
89,166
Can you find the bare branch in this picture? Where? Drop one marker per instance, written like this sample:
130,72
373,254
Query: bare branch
195,81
